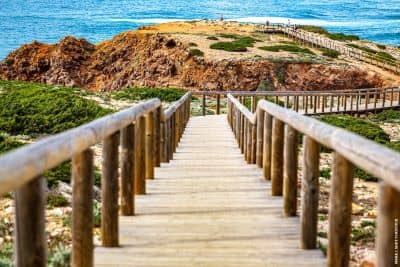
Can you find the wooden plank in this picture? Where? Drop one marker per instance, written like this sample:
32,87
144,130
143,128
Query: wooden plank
210,210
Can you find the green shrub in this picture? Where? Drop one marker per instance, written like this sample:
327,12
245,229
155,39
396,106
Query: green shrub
30,108
385,55
138,94
196,53
9,62
6,254
381,46
56,201
363,48
363,234
63,173
193,44
330,53
214,38
391,116
229,46
325,173
333,36
229,36
60,258
240,44
315,29
288,48
96,214
342,37
364,128
8,143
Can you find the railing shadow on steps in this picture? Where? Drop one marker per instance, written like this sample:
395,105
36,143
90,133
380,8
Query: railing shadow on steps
269,138
144,134
351,101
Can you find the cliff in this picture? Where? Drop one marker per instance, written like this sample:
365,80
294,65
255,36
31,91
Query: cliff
139,58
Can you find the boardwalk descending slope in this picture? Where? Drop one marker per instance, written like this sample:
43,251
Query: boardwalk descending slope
207,207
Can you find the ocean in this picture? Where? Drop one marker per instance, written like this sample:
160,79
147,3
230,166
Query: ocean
23,21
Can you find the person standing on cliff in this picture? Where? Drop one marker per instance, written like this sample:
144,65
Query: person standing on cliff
221,18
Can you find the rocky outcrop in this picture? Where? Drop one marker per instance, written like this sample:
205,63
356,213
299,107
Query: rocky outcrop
156,60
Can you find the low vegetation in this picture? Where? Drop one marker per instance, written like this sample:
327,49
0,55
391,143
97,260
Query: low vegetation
30,108
239,44
378,54
362,127
334,36
330,53
288,48
196,53
381,46
214,38
56,201
138,94
391,116
8,143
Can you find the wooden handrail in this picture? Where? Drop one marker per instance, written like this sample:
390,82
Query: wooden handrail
313,103
349,150
147,136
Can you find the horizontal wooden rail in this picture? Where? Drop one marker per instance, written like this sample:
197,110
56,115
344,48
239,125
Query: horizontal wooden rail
353,102
143,135
349,150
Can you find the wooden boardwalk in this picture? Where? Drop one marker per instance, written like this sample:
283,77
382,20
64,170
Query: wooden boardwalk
207,207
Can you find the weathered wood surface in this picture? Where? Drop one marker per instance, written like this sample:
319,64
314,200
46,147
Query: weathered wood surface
207,207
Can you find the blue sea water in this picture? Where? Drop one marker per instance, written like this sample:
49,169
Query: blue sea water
22,21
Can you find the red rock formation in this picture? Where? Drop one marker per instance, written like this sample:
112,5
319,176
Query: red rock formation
155,60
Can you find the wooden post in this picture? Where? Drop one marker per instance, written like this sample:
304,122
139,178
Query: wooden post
267,144
249,129
157,137
140,164
109,192
260,136
163,142
388,226
253,143
127,170
253,104
30,238
310,191
315,104
242,132
340,200
218,104
149,142
331,104
306,104
82,209
290,172
277,157
204,104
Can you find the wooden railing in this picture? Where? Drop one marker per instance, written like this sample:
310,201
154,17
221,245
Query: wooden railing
314,102
294,31
145,135
269,138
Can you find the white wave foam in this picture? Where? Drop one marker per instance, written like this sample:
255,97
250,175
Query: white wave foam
316,22
147,21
